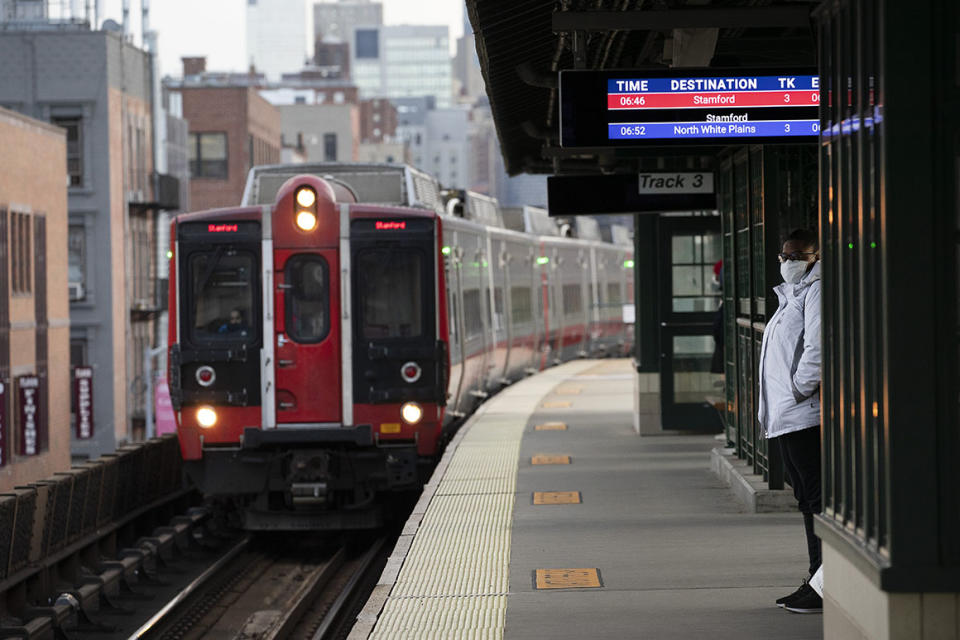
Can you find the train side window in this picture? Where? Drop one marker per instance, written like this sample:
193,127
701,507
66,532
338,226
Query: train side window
390,293
520,304
307,299
223,283
472,310
572,302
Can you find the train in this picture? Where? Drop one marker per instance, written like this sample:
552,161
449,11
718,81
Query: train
329,333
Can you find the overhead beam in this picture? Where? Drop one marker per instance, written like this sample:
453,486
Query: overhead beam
787,16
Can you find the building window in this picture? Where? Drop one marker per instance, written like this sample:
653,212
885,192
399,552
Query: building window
74,148
368,45
77,261
20,253
329,147
208,155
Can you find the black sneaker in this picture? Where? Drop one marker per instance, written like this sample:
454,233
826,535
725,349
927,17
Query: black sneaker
807,603
804,588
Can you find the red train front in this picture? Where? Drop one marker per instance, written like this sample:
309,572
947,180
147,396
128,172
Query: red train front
308,361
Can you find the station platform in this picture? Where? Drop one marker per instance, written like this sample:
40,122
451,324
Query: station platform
548,517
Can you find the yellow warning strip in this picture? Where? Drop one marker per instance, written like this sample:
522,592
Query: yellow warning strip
551,426
454,579
556,404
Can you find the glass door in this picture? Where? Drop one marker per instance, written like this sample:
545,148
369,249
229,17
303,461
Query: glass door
690,297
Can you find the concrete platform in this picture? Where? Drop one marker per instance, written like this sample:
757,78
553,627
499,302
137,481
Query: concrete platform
676,553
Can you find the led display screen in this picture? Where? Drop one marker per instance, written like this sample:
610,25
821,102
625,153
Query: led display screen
688,107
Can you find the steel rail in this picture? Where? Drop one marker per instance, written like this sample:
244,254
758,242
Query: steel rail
348,591
190,589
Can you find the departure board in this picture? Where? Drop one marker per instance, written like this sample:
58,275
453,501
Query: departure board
688,106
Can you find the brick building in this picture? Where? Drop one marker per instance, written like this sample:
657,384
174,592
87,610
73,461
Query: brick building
232,128
378,120
100,88
34,311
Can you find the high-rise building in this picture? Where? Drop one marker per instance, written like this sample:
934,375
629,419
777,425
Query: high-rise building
398,61
447,153
336,21
277,38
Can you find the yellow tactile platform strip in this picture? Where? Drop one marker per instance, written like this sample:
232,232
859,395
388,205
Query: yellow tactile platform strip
449,574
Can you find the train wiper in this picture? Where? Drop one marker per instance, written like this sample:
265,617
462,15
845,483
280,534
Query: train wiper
208,272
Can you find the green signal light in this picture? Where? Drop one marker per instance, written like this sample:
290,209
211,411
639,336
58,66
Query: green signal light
543,260
628,264
850,246
169,255
445,251
873,245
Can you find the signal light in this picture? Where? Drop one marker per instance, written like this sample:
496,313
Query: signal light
306,210
411,412
410,372
307,220
206,375
206,417
306,197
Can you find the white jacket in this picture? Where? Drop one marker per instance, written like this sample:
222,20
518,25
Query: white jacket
789,398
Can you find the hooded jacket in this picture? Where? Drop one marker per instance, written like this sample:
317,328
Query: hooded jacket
789,398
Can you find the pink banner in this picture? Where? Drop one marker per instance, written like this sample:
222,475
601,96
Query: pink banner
163,408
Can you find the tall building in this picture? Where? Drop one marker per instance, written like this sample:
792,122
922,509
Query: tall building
446,155
232,128
326,132
277,36
401,61
34,311
336,21
100,89
412,125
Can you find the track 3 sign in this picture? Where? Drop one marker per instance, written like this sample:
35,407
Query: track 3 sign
688,106
630,193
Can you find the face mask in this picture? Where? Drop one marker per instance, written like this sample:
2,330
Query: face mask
793,270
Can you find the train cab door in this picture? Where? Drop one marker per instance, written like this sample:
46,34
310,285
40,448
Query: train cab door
307,351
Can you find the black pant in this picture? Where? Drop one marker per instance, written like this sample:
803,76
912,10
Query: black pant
801,460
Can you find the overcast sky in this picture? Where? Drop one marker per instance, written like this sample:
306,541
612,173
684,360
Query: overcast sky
216,28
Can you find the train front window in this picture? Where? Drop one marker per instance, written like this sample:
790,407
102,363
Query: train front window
307,299
390,283
223,287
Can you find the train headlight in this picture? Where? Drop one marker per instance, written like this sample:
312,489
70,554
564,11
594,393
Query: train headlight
306,197
411,412
206,417
307,220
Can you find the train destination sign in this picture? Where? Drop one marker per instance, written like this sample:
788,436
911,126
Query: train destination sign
665,107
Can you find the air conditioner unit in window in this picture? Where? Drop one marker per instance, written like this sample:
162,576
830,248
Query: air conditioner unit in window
76,291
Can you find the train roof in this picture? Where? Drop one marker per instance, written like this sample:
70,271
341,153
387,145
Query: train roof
373,183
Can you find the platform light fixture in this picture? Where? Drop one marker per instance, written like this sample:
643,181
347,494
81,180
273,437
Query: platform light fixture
206,417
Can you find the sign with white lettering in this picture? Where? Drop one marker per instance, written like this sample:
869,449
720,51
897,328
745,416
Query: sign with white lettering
83,401
4,432
676,183
29,387
688,106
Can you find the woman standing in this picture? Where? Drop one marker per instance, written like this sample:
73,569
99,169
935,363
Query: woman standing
789,404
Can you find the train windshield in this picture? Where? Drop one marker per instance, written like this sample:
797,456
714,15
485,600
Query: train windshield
222,287
390,287
308,301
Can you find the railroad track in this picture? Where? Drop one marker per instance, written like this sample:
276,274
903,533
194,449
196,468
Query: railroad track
271,588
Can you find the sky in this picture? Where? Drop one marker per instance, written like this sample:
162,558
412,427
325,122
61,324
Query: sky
216,28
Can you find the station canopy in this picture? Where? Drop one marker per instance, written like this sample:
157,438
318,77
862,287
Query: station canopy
524,44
